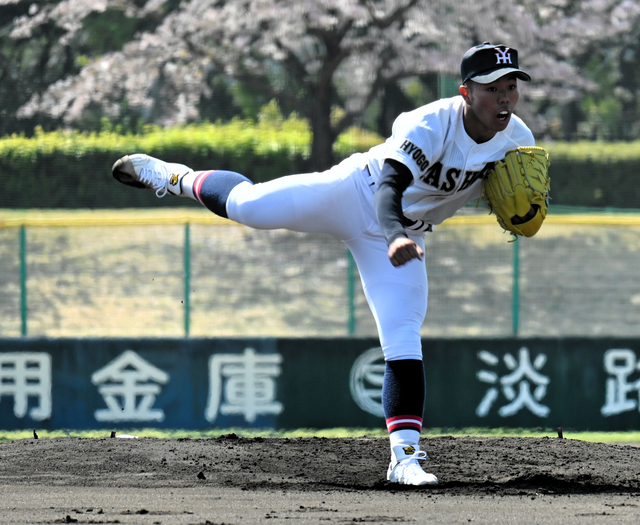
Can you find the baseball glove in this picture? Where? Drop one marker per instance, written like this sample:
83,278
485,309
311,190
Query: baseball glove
517,184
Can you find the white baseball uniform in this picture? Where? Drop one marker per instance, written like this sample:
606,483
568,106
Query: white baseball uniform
447,168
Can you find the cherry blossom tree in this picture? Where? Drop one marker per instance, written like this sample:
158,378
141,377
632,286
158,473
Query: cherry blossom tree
328,60
42,42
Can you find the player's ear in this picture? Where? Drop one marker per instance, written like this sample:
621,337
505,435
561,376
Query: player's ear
464,91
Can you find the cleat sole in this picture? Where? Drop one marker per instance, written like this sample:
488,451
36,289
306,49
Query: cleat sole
121,171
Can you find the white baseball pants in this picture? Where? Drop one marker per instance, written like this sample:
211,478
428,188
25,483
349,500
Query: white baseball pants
339,202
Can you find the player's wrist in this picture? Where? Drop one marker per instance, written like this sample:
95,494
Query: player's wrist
393,238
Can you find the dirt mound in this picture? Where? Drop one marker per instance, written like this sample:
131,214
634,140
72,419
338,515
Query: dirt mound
465,466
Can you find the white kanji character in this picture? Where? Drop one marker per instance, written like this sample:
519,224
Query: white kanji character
249,389
24,375
524,374
129,377
621,364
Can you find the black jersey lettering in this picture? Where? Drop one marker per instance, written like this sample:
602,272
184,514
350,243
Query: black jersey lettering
451,178
469,178
408,146
432,177
416,154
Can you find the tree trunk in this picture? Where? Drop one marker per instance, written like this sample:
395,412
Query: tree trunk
324,136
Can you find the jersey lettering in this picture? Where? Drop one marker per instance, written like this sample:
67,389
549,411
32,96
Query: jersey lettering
451,178
432,177
416,154
472,176
469,178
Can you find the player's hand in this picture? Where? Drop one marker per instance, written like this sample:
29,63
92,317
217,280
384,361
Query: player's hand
402,250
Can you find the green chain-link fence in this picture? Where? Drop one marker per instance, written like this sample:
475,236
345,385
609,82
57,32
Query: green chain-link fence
187,273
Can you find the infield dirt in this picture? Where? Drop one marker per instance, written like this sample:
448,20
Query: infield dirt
251,480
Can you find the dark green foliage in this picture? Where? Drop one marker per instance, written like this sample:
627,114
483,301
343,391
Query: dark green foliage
73,170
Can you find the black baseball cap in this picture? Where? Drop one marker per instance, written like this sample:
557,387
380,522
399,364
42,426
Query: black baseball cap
487,63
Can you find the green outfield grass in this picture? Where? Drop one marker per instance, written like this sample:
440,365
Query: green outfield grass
594,437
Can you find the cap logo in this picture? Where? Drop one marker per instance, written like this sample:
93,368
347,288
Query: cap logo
504,57
487,63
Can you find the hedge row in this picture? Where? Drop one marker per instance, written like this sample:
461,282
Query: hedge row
595,174
73,170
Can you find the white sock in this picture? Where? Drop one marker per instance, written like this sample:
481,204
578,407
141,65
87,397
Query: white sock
187,184
404,438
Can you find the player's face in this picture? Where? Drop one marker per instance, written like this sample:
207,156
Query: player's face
489,107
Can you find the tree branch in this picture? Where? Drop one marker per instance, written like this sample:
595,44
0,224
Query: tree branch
392,17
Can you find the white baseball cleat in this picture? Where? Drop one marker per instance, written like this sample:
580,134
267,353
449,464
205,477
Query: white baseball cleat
405,469
142,171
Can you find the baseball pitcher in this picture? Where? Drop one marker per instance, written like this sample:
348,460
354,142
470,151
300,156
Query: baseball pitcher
438,158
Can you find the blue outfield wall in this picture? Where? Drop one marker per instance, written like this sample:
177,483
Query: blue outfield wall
578,384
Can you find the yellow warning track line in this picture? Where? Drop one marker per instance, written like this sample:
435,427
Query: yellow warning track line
178,216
